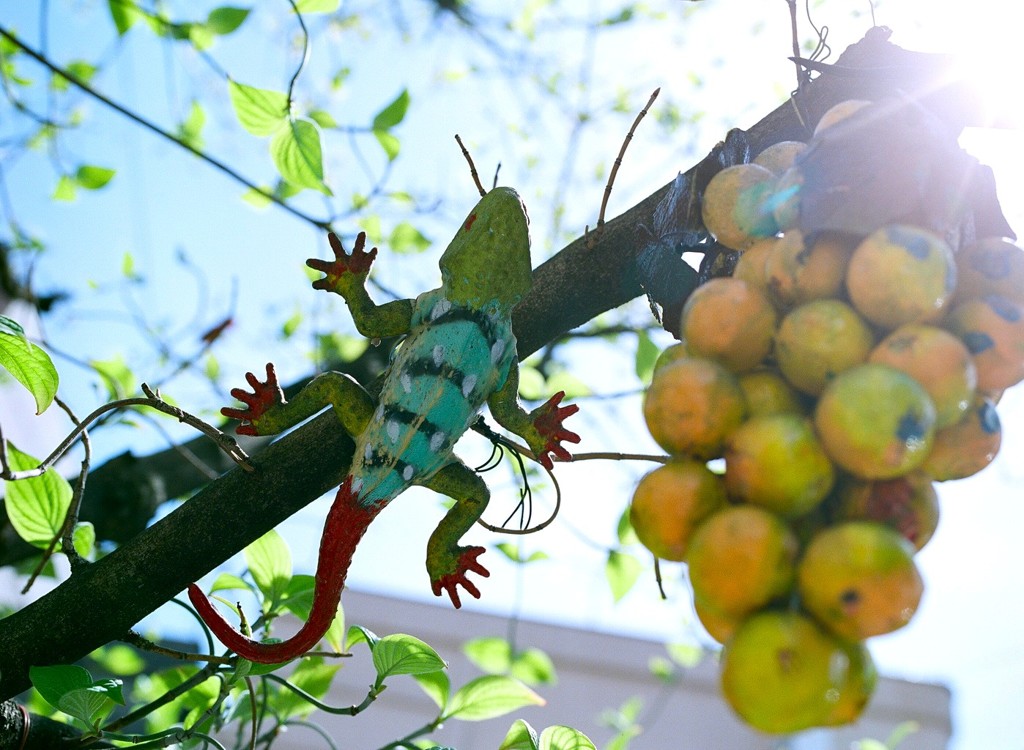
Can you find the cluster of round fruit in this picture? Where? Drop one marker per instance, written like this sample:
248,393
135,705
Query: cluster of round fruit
838,376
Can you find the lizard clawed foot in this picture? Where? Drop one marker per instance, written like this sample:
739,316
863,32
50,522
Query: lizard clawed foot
466,562
357,264
264,396
547,420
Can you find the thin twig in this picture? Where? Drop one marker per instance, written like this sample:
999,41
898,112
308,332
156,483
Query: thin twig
472,167
591,239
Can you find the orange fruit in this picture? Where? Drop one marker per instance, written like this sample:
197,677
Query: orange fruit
908,505
717,625
839,112
818,340
875,421
901,274
750,264
776,461
767,392
993,330
670,501
740,559
779,671
967,447
735,205
691,405
670,354
797,272
858,578
731,321
990,266
937,360
780,156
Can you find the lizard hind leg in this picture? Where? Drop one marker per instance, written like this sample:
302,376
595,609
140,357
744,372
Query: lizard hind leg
346,522
448,563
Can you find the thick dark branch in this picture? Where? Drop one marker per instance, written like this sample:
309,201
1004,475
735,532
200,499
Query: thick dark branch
101,603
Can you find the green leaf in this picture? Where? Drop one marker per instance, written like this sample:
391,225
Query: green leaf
117,376
624,529
533,667
312,676
201,36
36,507
66,190
393,113
226,19
405,238
190,131
72,690
119,659
30,366
53,682
687,655
646,355
270,562
323,118
436,685
389,143
514,553
80,69
92,177
490,696
317,6
520,736
404,654
84,539
359,634
298,157
490,654
11,326
228,582
565,738
260,111
257,199
124,14
622,571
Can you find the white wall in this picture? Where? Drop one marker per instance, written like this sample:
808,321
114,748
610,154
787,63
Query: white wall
595,672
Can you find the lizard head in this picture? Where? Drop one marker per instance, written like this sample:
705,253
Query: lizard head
488,261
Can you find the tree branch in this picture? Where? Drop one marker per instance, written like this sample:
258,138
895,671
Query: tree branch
102,602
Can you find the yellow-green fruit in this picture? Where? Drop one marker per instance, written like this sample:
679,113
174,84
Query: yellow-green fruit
859,579
875,421
735,206
990,266
936,359
992,328
780,156
782,673
767,392
908,505
839,112
777,462
901,274
818,340
740,559
670,501
797,272
965,448
670,354
731,321
850,698
691,406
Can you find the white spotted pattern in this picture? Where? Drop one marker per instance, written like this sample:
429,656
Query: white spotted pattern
392,428
408,472
436,441
368,453
497,350
438,355
406,381
440,309
468,384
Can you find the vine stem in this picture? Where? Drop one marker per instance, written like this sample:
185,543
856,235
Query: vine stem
154,128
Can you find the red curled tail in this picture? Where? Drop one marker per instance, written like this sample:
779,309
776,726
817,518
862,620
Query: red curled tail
346,522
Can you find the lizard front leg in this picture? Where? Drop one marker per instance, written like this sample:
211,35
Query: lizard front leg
346,276
448,563
541,428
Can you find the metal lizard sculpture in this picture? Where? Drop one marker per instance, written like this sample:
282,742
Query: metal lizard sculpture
459,353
